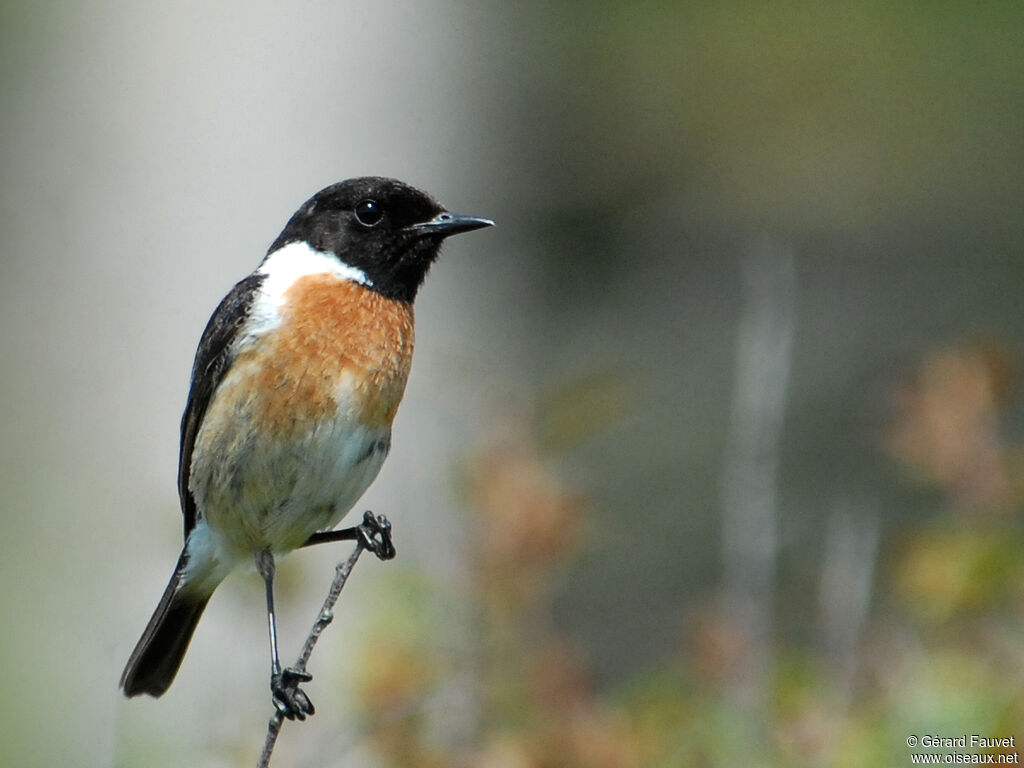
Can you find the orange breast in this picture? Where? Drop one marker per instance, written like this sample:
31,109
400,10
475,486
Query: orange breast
339,346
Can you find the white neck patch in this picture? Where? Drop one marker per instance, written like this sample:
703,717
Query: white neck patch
290,262
281,269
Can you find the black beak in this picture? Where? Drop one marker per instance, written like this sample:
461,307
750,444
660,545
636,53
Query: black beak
445,224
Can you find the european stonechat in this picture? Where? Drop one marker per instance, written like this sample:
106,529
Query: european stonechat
295,385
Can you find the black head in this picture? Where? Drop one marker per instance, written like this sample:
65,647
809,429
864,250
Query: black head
387,229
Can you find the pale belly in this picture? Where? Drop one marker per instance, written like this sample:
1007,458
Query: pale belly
271,483
275,496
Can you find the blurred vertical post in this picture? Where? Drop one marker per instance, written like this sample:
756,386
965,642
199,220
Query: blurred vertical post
750,473
844,594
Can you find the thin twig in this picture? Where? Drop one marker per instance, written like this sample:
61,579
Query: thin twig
325,617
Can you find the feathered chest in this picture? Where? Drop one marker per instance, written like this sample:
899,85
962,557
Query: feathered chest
329,349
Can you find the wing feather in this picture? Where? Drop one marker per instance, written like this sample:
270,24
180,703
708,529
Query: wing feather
217,350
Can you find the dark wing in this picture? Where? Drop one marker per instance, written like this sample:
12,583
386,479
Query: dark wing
215,354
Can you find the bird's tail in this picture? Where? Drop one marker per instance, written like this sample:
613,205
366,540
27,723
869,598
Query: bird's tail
154,662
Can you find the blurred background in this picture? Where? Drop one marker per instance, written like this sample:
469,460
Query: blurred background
711,453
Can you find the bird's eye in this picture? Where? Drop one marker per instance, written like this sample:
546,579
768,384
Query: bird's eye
368,213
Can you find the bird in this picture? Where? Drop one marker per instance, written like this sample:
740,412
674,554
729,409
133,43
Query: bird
294,388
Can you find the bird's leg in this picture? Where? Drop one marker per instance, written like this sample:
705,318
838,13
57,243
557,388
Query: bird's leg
374,534
290,700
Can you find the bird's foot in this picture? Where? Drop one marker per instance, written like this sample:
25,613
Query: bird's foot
375,535
290,700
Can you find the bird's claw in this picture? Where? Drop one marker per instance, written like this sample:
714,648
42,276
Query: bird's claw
375,535
290,700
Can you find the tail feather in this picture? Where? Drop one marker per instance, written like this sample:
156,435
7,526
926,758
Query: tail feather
154,662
